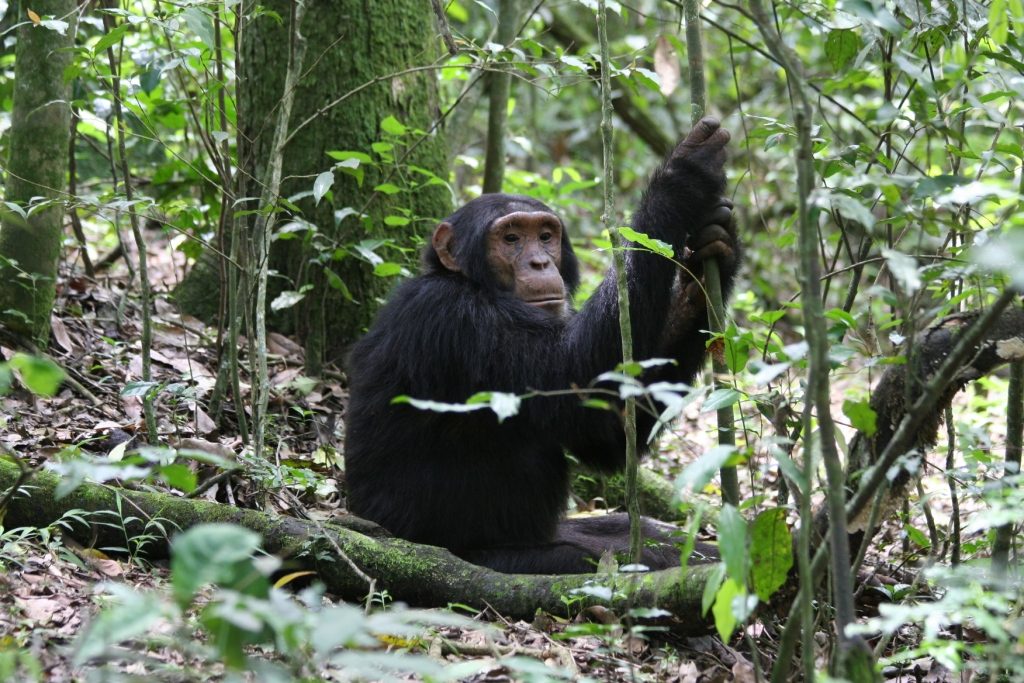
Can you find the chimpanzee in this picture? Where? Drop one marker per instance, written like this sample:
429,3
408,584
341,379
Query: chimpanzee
492,311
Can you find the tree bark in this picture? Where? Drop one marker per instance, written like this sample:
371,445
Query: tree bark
36,168
351,43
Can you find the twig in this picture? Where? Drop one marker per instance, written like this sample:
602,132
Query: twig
444,28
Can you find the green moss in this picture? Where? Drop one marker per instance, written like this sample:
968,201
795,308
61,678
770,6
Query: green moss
37,167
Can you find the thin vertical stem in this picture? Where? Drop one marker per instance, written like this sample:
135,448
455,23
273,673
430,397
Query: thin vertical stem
499,85
140,242
622,283
262,232
712,276
1014,432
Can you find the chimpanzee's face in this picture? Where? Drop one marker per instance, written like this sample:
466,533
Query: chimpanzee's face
524,252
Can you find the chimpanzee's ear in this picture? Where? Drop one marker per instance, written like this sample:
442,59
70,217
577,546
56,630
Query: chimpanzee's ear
443,242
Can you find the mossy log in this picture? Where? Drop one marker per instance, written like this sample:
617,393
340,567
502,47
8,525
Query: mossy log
416,574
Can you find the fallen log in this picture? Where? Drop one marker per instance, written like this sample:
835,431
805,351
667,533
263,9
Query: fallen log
419,575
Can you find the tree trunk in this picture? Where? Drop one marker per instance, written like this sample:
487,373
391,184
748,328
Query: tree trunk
350,43
40,127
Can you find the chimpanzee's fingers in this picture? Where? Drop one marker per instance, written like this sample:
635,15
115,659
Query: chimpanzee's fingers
703,130
707,139
714,241
722,215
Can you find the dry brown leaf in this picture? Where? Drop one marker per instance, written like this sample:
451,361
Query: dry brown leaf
666,65
204,446
60,333
280,345
40,610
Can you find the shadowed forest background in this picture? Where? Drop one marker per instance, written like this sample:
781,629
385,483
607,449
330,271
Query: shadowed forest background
206,202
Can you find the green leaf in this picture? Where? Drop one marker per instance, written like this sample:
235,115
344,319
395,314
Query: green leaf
392,126
350,159
110,38
771,552
574,63
861,416
201,24
711,586
841,47
387,269
732,542
697,474
388,188
5,378
286,299
720,398
737,351
335,282
904,268
41,376
396,221
647,78
998,22
179,476
131,615
725,618
321,185
655,245
220,554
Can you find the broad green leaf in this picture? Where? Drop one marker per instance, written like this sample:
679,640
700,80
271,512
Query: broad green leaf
998,22
697,474
904,268
721,398
387,269
732,542
179,476
211,553
286,299
130,616
725,618
139,389
861,416
655,245
110,38
771,552
392,126
737,351
321,185
388,188
41,376
841,47
201,24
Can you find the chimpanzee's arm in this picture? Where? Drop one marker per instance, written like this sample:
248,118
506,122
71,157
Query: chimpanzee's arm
678,207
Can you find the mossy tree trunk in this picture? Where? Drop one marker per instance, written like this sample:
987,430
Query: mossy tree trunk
34,176
350,43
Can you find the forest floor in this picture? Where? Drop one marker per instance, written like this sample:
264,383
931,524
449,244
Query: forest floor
48,583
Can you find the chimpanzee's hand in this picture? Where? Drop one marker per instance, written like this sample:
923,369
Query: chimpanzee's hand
716,239
704,147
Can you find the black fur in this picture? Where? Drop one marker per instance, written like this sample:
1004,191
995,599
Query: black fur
495,493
